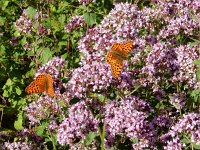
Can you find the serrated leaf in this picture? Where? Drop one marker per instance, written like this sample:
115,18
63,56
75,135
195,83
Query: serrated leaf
89,138
40,129
18,122
18,91
5,93
31,12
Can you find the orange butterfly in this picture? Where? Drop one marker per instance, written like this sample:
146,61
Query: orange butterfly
116,56
42,83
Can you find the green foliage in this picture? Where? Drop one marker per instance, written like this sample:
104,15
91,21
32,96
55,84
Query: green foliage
90,18
18,123
89,138
41,129
22,53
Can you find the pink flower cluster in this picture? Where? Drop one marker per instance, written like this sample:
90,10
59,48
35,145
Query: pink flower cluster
75,22
158,63
25,24
42,108
189,126
129,117
77,125
85,2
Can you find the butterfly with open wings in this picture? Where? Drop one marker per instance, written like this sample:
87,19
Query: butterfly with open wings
116,56
42,83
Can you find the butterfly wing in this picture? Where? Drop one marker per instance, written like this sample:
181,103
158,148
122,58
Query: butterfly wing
42,83
49,85
116,56
116,47
116,68
122,49
116,63
36,86
127,47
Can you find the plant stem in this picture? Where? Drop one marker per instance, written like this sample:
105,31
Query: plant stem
102,135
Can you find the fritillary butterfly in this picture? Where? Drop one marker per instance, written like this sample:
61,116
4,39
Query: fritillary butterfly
116,56
42,83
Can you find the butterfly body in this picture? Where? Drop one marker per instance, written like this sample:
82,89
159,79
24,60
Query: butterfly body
42,83
116,56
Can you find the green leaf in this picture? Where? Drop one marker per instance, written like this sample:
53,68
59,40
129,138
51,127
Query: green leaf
2,20
52,8
196,146
46,55
40,129
62,19
89,138
18,90
5,93
2,50
8,82
18,122
2,106
23,41
160,105
55,24
134,140
195,94
31,12
185,140
5,4
101,98
196,62
90,18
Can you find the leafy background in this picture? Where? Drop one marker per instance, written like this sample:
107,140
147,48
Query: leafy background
154,104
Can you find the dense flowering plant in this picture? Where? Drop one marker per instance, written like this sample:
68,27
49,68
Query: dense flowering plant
26,24
149,105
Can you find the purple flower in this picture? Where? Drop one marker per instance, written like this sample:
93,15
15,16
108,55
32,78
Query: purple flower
85,2
189,125
18,145
25,24
77,125
174,144
129,117
178,100
75,22
89,78
42,108
53,126
163,120
186,72
52,67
